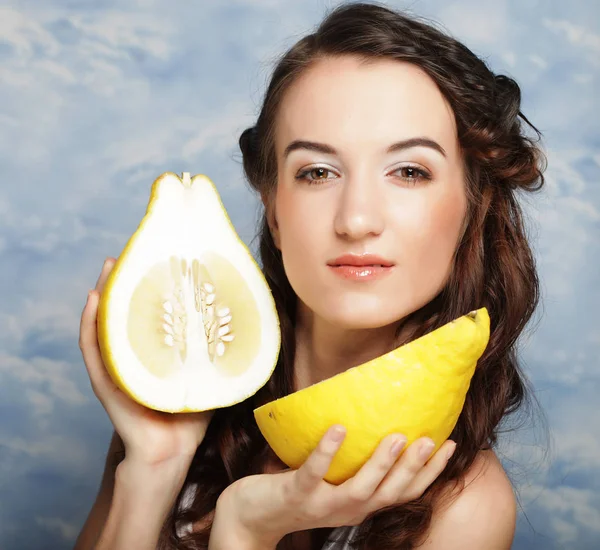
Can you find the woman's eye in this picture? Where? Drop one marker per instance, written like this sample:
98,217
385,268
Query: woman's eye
316,171
413,174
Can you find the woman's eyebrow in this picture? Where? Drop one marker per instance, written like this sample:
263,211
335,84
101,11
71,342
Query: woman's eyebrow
398,146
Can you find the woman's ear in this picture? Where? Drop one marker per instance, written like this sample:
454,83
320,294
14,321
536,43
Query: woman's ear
269,204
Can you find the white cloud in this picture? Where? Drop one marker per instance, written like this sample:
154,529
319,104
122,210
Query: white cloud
538,60
119,29
563,176
56,69
8,121
510,58
578,36
42,404
564,247
46,235
564,214
57,449
221,131
48,314
583,78
40,372
66,530
584,208
23,33
577,437
579,447
105,37
572,512
482,22
566,531
44,78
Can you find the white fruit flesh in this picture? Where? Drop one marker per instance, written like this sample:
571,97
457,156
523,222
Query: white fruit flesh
163,328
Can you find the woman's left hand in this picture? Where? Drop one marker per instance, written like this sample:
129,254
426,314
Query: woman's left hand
264,508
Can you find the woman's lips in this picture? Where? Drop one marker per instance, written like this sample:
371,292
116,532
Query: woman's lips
361,272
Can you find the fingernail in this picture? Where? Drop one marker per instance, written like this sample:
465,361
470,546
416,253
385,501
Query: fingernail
450,451
397,446
88,297
337,434
426,449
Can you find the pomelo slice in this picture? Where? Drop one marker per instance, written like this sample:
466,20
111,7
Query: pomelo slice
186,321
418,389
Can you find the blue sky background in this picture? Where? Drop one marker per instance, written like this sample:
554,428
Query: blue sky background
98,98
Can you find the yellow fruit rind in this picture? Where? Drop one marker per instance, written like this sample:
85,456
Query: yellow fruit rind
395,393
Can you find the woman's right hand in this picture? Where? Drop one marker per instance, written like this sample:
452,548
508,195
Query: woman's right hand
150,436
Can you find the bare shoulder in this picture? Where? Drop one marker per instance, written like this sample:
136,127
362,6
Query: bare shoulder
483,515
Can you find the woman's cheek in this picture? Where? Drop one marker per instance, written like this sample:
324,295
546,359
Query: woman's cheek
439,239
302,246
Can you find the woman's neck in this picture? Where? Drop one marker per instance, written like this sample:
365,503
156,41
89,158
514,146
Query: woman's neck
324,350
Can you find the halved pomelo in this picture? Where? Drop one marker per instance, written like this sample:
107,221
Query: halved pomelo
418,390
186,321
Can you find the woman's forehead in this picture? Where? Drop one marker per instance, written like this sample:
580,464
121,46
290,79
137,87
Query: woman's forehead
341,99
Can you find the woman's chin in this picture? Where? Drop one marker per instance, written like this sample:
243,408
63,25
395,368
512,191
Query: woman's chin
361,319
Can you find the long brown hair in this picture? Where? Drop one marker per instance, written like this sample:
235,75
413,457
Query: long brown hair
493,265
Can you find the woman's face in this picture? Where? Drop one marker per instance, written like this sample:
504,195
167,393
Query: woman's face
406,205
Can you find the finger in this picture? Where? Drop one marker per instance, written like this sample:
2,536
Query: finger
314,469
364,483
412,465
104,273
88,342
431,470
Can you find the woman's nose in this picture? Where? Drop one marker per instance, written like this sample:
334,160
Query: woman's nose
360,212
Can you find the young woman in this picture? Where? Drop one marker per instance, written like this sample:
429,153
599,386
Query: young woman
381,141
